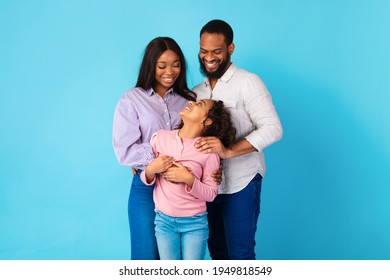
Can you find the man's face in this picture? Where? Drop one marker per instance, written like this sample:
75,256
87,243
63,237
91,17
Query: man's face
214,55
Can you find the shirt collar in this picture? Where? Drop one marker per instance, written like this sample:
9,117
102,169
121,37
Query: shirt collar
150,91
226,76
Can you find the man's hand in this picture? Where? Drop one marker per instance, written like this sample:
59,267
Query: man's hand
217,175
212,144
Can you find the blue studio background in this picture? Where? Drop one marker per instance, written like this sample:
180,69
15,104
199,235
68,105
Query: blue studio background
64,65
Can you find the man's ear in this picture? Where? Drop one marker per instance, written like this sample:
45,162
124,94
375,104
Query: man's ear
231,48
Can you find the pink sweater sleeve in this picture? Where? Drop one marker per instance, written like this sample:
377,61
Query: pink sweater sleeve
206,188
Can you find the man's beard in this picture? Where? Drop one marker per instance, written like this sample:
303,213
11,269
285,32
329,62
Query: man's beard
217,73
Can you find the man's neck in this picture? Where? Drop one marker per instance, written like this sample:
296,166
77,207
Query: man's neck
213,82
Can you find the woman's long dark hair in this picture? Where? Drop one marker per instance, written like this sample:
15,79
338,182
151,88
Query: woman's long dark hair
146,76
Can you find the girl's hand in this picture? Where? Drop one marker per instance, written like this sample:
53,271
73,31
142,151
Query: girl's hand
158,165
178,173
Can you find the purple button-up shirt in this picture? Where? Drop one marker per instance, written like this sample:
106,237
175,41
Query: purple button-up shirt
137,116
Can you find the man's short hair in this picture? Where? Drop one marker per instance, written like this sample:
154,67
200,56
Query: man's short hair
220,27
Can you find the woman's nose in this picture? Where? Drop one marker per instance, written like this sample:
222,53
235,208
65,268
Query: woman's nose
168,70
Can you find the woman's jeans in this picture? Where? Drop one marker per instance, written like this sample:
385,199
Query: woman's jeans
141,220
233,223
182,238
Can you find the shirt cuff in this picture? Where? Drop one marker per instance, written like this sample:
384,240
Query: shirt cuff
254,142
143,179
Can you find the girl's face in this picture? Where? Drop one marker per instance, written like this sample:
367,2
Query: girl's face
197,111
168,68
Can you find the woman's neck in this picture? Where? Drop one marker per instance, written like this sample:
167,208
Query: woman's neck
161,91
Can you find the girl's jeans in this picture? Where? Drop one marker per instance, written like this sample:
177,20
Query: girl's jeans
181,238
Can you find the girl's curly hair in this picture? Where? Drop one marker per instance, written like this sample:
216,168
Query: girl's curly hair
222,126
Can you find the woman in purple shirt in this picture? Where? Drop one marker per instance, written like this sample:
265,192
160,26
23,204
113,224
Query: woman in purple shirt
160,94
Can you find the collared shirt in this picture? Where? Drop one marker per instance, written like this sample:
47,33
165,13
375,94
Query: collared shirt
253,115
178,200
137,116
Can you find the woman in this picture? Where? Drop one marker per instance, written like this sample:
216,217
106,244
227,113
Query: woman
180,202
161,92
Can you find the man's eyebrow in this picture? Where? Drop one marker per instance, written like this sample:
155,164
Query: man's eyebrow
213,50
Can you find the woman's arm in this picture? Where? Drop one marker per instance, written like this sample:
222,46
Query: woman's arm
126,137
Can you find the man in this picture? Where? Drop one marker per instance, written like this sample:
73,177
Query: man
233,215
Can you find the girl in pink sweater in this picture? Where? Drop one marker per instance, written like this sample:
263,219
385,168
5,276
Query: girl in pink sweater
183,181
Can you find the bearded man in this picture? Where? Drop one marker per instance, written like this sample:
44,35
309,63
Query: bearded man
233,215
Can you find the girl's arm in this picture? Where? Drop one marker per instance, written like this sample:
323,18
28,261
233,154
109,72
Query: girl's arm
178,173
206,188
156,166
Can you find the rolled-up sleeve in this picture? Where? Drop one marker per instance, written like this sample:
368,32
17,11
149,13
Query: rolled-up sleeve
261,110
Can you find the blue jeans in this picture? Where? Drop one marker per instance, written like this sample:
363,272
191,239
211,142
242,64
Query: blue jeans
141,221
233,223
183,238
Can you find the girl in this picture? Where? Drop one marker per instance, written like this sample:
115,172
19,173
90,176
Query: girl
181,193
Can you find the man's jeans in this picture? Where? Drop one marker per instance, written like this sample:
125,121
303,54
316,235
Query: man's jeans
233,223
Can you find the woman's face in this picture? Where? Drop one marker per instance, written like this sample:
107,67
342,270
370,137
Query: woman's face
197,111
168,68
